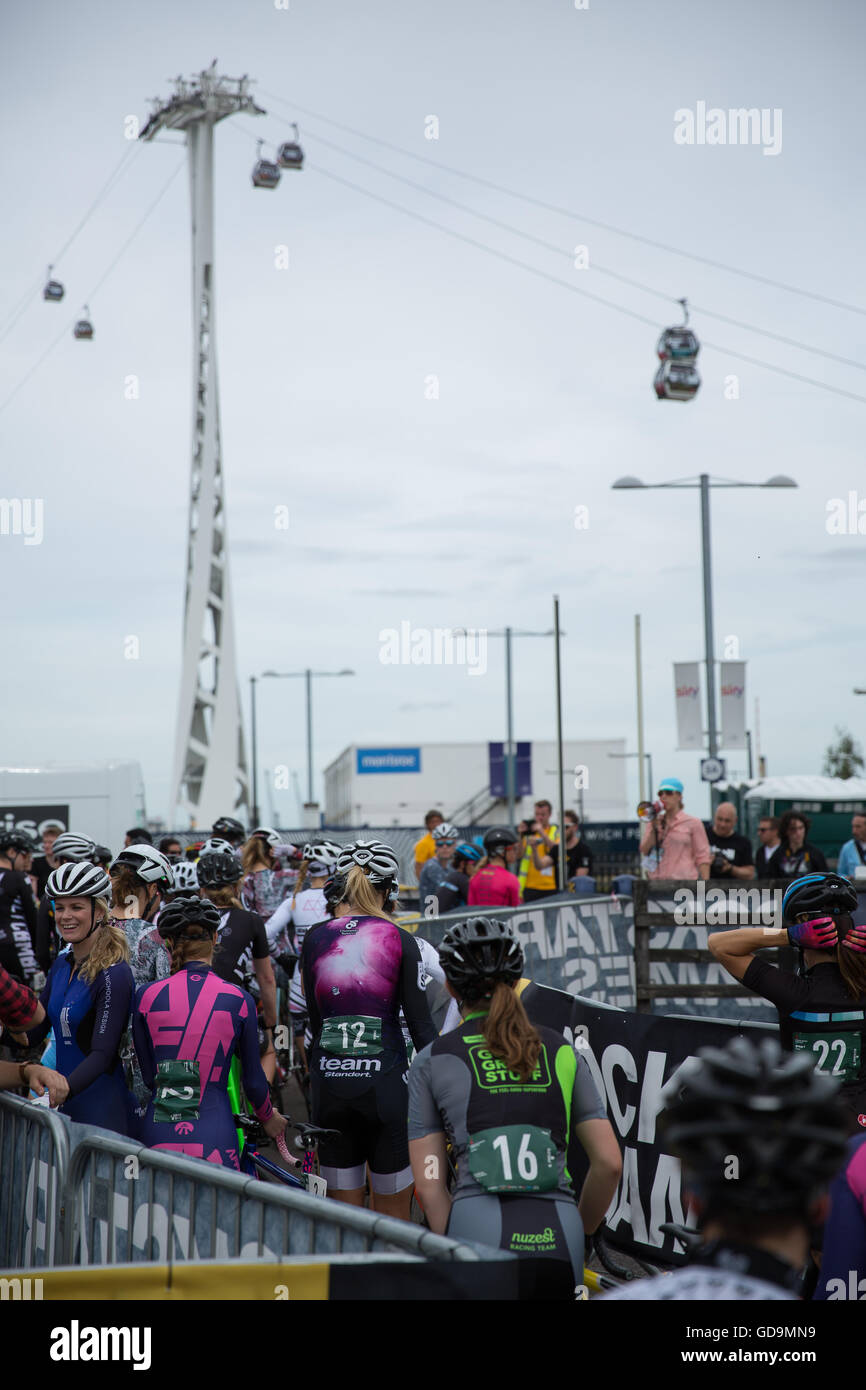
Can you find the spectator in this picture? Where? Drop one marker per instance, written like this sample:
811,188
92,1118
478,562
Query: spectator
426,846
540,840
852,855
767,857
680,840
453,891
45,862
137,836
578,857
171,848
493,884
732,854
445,837
796,855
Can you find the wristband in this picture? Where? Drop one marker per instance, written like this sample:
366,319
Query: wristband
819,934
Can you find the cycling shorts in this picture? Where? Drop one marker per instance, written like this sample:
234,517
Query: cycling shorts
547,1232
373,1126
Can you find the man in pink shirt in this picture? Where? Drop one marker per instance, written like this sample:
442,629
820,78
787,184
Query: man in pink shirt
684,850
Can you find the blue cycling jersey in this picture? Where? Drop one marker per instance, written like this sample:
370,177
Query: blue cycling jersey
843,1260
89,1019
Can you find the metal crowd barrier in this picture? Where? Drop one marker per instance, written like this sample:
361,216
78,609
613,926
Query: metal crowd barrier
34,1174
76,1195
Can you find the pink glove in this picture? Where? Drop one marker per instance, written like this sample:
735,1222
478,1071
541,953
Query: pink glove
817,935
855,939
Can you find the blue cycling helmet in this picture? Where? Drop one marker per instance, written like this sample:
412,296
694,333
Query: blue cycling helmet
818,894
467,851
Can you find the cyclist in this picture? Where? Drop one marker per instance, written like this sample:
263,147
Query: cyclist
267,881
823,1009
453,890
187,1030
358,971
87,997
782,1122
68,848
493,885
18,915
140,875
843,1252
509,1096
293,918
229,829
445,838
185,878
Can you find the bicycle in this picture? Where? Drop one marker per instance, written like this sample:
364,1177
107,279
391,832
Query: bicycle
257,1165
616,1274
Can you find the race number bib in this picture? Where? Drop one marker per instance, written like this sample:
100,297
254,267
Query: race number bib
836,1054
515,1158
352,1035
176,1093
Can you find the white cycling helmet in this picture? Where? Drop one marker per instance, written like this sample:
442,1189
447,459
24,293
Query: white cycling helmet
445,833
217,846
185,876
72,849
264,832
147,862
378,860
322,857
79,880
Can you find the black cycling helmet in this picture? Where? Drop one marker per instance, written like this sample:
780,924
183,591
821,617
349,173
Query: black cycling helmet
18,841
479,952
819,895
769,1109
498,838
227,828
185,912
218,870
335,891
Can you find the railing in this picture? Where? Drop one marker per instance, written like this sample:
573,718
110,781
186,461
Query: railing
34,1170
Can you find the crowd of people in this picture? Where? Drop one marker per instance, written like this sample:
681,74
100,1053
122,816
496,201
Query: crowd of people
132,990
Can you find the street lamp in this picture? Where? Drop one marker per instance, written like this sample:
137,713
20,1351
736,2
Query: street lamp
508,633
705,482
308,677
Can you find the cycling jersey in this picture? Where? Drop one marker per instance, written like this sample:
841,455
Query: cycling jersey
493,886
452,891
18,927
295,916
818,1015
721,1272
264,890
432,875
357,974
241,940
89,1019
196,1019
149,957
843,1259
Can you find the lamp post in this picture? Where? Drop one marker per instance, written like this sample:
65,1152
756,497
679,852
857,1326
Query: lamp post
308,677
509,633
704,482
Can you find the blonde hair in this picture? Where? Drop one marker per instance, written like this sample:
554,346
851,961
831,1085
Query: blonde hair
224,897
364,897
256,855
197,943
108,949
126,890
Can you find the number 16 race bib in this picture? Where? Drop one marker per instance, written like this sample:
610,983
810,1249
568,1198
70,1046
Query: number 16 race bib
515,1158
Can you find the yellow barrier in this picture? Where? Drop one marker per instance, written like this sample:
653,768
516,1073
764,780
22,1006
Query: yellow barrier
299,1282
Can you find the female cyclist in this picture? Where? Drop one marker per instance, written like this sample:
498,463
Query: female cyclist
492,885
140,876
241,955
87,997
288,926
509,1096
822,1009
187,1029
358,970
267,880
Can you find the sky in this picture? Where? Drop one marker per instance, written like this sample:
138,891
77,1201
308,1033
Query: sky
432,413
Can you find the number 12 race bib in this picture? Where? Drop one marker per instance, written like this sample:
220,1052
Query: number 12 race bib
515,1158
352,1035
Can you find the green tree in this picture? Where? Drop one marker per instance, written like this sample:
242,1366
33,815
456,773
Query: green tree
844,757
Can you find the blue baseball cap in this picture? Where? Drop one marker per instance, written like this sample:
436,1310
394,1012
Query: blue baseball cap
671,784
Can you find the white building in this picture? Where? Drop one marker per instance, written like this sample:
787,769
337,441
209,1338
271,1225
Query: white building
102,800
382,786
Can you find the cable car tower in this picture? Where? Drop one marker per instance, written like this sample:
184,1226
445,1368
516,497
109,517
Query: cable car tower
209,776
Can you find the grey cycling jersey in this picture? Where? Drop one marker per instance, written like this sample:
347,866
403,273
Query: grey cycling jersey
701,1284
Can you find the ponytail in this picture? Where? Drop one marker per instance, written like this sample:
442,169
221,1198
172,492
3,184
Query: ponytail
300,881
508,1031
195,943
364,897
852,964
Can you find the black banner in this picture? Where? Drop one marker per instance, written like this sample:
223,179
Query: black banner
32,818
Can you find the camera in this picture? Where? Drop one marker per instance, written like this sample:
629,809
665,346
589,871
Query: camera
720,865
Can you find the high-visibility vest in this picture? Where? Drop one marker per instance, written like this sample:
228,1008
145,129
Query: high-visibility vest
526,861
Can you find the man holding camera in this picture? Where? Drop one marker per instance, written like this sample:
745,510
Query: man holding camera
540,841
732,854
680,841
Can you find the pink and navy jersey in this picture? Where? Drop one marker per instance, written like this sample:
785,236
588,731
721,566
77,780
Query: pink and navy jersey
195,1016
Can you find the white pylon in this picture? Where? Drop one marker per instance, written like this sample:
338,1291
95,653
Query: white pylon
209,776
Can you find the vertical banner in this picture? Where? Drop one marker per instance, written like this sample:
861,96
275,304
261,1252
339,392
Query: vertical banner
733,706
687,696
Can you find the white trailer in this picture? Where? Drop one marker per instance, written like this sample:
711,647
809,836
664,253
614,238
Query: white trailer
102,800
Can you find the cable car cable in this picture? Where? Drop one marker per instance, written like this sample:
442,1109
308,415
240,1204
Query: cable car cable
577,289
568,212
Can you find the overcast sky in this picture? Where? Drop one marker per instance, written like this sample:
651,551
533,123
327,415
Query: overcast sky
458,510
